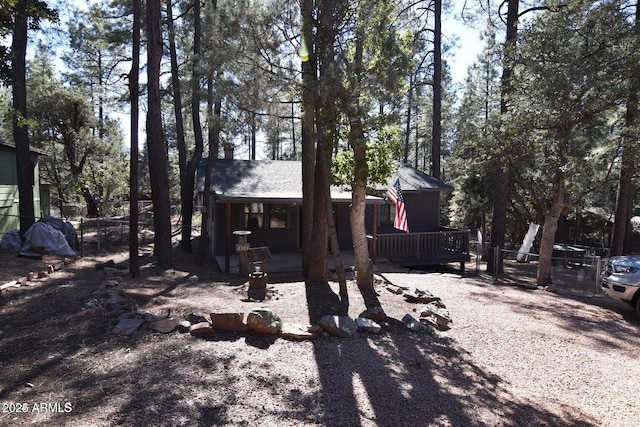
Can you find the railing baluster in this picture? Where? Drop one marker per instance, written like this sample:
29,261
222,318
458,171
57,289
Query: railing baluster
422,245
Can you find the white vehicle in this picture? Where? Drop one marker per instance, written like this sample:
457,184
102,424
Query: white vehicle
621,279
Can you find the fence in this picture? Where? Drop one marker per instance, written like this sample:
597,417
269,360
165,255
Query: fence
574,269
100,234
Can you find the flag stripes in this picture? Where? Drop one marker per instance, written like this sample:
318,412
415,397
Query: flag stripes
394,193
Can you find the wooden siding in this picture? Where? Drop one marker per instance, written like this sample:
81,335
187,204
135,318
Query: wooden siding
341,216
277,239
423,210
9,196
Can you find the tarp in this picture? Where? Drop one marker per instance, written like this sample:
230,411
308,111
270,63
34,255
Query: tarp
42,238
11,241
66,228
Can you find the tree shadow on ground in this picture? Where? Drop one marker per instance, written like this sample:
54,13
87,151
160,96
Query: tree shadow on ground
322,300
402,378
56,348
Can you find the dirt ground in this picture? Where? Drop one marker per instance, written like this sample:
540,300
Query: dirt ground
61,365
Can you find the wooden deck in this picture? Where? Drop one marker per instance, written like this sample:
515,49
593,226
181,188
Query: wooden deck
427,248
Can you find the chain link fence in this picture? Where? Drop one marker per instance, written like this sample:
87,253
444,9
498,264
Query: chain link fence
575,269
96,235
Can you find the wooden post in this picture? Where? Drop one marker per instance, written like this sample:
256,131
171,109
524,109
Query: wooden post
228,236
374,242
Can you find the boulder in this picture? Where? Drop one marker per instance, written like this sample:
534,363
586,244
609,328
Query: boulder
127,326
232,322
368,325
339,326
164,326
196,318
184,326
299,332
264,321
440,314
110,283
416,295
376,314
415,325
394,289
103,265
201,329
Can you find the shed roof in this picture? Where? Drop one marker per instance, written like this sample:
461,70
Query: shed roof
32,149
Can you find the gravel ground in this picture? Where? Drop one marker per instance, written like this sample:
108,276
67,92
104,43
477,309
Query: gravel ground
512,357
567,360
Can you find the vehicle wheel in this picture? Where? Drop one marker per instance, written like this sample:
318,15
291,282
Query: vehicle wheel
638,306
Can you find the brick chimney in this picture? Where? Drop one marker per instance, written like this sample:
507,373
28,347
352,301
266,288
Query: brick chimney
228,151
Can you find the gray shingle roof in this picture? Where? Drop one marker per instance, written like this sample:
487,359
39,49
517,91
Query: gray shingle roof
261,180
412,179
281,181
31,148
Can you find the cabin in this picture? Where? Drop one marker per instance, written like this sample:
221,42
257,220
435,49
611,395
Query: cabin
9,198
264,197
428,242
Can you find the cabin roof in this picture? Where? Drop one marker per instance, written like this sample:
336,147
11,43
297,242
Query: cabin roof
277,181
414,180
269,181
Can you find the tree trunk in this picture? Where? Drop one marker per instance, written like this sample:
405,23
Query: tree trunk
407,131
436,143
185,242
363,264
549,232
622,231
214,143
337,255
501,188
158,162
317,269
20,131
192,165
358,141
134,77
325,113
308,136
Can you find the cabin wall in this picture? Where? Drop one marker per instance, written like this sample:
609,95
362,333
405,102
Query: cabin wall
423,210
278,240
342,219
423,215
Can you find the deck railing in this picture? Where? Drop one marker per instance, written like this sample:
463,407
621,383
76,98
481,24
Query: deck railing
447,241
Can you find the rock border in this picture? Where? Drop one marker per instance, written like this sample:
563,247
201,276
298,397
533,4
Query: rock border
432,316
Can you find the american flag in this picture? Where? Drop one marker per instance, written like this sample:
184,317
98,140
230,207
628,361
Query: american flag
394,193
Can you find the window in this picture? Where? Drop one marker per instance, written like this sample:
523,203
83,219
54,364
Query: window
278,216
387,214
254,216
258,216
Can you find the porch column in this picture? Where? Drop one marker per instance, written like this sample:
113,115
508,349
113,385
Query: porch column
374,242
228,236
